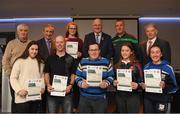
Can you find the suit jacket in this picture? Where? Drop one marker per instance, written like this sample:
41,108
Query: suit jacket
166,50
43,49
106,46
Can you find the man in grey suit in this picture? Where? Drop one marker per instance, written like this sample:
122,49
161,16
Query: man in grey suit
152,39
97,36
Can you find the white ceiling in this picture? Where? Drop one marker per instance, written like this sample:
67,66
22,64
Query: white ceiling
57,8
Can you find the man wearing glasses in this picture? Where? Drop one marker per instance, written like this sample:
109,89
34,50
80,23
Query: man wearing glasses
94,75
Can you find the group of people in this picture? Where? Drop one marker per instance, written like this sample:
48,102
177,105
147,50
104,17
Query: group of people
99,53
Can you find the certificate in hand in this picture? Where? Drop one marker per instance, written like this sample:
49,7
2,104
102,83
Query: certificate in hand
59,84
72,48
124,77
152,80
94,75
34,89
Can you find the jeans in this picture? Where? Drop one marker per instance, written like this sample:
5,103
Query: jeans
55,103
88,105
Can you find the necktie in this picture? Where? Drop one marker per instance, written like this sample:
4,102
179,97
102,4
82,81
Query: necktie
97,38
49,46
150,44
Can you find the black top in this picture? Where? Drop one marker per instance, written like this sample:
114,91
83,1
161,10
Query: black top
56,65
136,74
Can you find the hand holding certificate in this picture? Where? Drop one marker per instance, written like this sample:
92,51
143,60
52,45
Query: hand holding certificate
152,80
94,75
72,48
59,84
124,77
34,90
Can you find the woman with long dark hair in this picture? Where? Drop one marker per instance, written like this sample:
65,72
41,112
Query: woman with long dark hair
27,67
128,101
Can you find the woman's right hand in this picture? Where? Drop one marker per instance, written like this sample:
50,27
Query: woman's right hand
115,82
22,93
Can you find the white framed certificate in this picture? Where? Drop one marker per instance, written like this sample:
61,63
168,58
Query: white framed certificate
152,80
72,48
94,75
59,84
124,77
34,89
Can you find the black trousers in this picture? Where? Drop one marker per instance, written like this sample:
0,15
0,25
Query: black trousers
43,103
128,102
28,107
153,106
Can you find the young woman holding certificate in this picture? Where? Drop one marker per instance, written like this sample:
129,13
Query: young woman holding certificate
129,77
27,80
158,101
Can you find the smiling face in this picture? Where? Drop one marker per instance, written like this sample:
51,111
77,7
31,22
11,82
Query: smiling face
94,51
22,32
151,32
155,54
33,51
126,52
60,43
97,26
72,29
48,32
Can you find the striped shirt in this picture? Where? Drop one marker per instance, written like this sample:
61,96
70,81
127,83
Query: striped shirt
107,75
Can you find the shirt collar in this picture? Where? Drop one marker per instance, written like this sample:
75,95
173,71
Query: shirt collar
153,40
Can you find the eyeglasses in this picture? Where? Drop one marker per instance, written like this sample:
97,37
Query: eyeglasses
73,28
94,50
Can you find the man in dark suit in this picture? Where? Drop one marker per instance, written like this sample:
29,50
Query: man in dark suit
45,50
45,43
151,33
103,39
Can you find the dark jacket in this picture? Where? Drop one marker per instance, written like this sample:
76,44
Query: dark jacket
106,46
166,50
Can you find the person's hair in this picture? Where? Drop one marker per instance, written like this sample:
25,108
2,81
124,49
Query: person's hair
150,24
25,54
122,20
158,46
101,21
94,44
67,29
132,56
48,25
22,25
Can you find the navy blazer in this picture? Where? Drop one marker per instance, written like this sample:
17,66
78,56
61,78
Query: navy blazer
106,46
43,49
166,50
